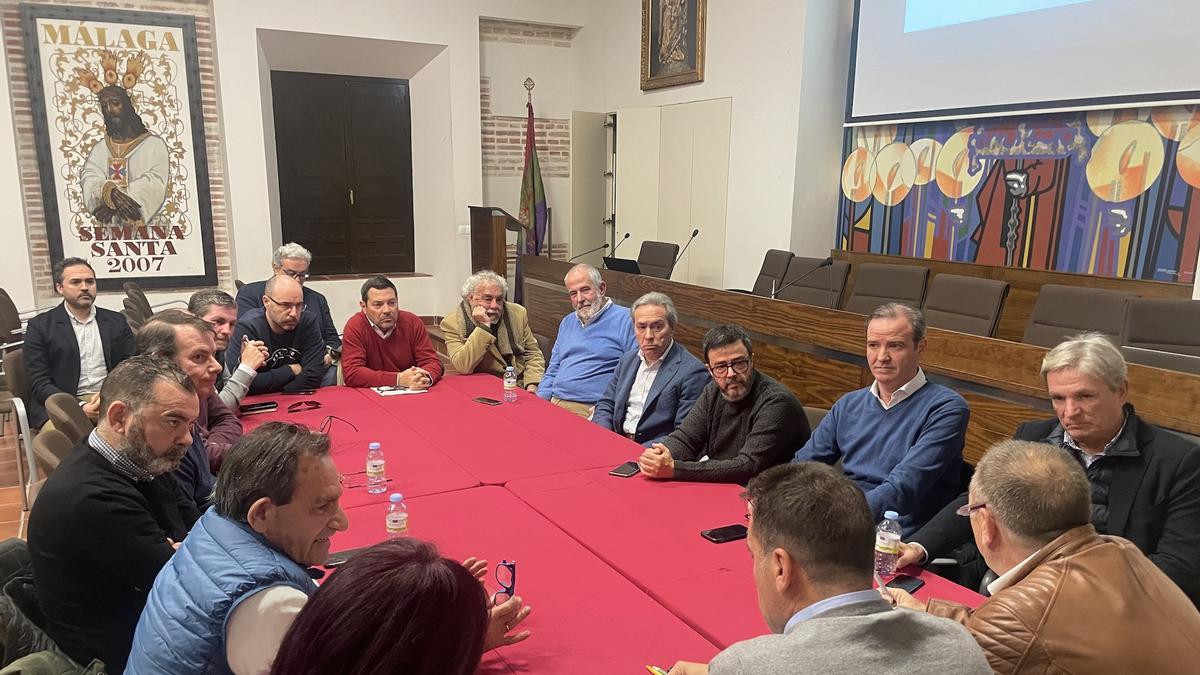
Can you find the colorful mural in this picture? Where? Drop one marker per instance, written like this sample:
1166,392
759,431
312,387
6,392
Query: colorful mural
1108,192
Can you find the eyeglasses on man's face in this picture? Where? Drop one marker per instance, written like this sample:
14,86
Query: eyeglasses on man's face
967,509
298,276
739,366
287,306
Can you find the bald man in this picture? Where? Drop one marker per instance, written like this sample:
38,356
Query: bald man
296,352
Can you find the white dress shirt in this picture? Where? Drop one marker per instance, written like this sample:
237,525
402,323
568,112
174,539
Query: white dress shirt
642,383
1005,580
256,628
902,393
92,369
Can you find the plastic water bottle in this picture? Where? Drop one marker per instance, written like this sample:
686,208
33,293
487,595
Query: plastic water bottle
510,385
887,544
397,517
376,470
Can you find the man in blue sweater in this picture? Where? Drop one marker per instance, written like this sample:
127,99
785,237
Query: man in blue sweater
590,342
901,439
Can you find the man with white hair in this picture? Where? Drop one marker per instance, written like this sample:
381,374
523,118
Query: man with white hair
590,342
486,334
293,260
1068,600
1145,482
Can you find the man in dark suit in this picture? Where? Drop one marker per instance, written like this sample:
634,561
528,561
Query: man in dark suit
656,385
111,515
1145,481
293,260
74,346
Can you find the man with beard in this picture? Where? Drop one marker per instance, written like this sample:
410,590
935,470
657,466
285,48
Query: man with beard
292,336
111,515
72,347
386,346
901,439
220,311
589,345
189,342
742,424
124,180
487,334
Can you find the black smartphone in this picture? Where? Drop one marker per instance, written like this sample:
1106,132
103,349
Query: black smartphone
341,557
486,401
626,470
725,534
260,407
906,583
300,392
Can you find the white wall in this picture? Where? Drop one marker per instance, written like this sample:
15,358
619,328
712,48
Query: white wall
15,274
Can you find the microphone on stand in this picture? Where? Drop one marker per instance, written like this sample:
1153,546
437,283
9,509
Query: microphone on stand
614,251
580,255
695,233
824,263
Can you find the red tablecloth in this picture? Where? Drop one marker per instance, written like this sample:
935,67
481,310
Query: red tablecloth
529,437
650,532
414,466
586,617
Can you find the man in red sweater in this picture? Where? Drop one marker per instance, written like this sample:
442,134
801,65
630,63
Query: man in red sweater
386,346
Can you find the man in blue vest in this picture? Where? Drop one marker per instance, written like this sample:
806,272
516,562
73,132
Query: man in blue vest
225,600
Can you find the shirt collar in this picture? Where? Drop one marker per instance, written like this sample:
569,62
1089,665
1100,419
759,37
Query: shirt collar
822,606
659,360
91,317
1008,578
607,303
119,460
377,330
908,389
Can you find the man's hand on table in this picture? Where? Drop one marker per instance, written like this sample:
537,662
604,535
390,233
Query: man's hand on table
502,619
254,353
414,378
656,462
531,388
900,598
688,668
910,554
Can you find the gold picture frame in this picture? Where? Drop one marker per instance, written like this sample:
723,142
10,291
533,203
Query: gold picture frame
672,42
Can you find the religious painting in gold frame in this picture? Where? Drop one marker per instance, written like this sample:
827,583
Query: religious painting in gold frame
672,42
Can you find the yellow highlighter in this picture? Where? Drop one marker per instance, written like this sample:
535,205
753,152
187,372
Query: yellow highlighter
655,670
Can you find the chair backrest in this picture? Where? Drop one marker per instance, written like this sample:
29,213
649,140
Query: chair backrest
657,258
50,447
1063,311
14,374
134,306
1165,325
10,319
822,288
544,345
68,417
133,291
877,284
815,415
774,269
133,318
965,304
1184,363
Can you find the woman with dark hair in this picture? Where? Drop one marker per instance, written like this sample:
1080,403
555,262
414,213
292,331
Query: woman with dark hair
397,607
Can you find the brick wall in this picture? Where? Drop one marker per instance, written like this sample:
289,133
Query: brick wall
31,189
503,140
523,32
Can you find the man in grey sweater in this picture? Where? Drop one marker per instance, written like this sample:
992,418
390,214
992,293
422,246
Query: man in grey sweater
811,541
744,422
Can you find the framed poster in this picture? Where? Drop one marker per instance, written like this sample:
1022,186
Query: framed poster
672,42
120,143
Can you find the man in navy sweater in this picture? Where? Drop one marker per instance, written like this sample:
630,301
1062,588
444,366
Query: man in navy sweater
901,439
292,337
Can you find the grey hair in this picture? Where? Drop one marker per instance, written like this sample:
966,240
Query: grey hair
484,277
265,463
204,300
1035,490
894,310
659,300
132,382
592,272
1091,354
290,251
157,336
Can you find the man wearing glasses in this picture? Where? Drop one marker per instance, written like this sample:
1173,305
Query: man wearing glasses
293,260
292,336
742,424
901,439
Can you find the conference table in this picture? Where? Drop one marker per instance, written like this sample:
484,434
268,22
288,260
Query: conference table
615,569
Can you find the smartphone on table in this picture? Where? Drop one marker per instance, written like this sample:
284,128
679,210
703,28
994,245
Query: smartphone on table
486,401
260,407
906,583
626,470
721,535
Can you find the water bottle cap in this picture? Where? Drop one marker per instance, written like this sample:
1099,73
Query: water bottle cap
510,369
373,446
396,498
891,515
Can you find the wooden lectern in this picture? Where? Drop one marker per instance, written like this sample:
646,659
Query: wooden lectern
488,243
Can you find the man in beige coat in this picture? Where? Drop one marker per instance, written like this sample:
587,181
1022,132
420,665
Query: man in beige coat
485,334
